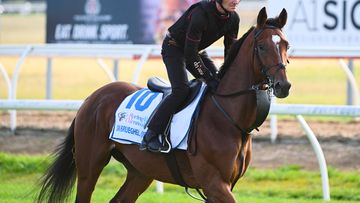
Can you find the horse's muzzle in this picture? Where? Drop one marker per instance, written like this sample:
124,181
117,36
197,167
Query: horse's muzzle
281,89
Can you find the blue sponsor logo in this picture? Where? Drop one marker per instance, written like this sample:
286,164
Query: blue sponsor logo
132,119
122,116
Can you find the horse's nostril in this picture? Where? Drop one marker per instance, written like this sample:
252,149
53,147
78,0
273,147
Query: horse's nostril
277,85
282,85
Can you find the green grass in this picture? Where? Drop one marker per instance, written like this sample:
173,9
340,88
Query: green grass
19,175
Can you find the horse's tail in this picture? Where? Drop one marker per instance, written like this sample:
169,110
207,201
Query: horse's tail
59,179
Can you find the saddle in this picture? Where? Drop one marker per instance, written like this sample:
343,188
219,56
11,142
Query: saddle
156,84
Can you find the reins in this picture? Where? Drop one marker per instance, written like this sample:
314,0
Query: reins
252,89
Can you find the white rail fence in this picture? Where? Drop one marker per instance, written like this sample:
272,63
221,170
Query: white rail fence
143,52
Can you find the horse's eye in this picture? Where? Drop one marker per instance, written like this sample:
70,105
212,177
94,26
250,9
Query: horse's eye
261,47
288,47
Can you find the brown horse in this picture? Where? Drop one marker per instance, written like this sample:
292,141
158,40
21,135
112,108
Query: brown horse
221,136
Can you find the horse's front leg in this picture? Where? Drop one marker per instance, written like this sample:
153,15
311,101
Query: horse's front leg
218,191
216,186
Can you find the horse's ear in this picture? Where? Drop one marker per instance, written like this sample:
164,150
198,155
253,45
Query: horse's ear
262,17
282,18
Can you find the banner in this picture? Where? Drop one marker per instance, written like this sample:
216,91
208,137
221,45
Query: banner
111,21
328,24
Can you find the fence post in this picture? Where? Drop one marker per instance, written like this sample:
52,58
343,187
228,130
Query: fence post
49,78
349,89
351,80
116,69
14,82
319,155
273,123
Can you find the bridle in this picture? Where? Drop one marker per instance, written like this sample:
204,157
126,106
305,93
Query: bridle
268,82
264,85
265,69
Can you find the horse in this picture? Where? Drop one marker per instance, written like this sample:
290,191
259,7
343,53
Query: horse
221,137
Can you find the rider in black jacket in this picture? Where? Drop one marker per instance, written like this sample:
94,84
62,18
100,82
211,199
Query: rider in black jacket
183,49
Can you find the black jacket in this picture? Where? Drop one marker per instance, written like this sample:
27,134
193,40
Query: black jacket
199,27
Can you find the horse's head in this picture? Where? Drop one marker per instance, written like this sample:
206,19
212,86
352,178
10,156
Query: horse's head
271,52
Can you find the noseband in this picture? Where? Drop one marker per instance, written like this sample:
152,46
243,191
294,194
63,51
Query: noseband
264,68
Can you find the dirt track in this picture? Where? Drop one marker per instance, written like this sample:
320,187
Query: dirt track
40,132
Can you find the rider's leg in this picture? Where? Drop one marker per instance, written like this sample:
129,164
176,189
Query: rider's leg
175,65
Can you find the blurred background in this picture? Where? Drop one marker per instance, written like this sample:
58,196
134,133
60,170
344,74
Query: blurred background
66,49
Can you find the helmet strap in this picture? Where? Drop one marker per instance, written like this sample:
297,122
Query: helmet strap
220,3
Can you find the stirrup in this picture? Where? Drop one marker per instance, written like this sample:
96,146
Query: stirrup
166,145
163,147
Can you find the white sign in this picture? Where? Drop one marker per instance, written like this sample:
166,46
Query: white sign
327,24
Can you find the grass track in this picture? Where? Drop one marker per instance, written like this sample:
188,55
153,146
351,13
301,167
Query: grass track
19,174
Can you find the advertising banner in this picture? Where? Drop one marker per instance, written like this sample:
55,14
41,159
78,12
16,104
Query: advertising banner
111,21
328,24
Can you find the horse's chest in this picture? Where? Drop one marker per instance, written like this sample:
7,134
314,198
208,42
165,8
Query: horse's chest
241,163
238,165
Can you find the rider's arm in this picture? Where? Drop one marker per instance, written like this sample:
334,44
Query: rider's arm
194,64
209,64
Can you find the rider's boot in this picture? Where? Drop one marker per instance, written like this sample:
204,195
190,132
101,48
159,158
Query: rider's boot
151,142
149,137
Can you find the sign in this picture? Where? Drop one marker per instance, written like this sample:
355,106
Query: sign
101,21
111,21
326,24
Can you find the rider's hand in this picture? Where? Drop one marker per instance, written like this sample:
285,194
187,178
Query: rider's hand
212,84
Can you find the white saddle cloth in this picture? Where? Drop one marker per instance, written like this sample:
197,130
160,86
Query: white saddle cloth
133,114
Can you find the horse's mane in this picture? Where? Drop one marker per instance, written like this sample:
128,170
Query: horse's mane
237,45
233,53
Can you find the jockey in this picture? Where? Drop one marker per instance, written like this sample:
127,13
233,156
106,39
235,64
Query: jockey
200,26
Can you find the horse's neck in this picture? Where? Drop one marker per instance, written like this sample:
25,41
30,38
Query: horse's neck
240,76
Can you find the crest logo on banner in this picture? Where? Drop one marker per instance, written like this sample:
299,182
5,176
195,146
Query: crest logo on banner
92,7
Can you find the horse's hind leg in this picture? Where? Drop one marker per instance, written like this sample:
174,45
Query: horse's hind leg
90,160
134,185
